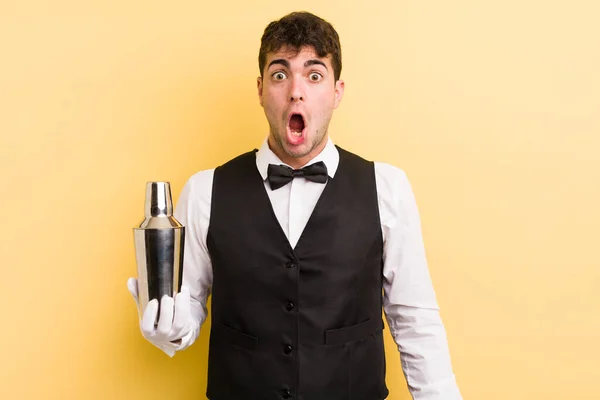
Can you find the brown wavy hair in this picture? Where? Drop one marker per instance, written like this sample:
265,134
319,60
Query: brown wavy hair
300,29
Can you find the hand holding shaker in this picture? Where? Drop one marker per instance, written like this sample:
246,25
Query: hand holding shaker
159,244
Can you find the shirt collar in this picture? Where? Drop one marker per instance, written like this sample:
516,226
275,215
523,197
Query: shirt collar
330,156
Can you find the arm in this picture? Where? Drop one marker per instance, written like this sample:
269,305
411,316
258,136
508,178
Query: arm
180,318
193,211
409,302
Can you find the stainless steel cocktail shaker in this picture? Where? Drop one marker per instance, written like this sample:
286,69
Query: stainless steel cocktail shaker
159,243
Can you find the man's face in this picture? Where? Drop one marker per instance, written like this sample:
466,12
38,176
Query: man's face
298,92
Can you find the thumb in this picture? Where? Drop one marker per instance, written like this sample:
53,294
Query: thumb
132,286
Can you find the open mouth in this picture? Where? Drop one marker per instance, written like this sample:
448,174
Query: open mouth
296,129
296,124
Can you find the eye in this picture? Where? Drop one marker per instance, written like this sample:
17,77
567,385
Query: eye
315,77
279,76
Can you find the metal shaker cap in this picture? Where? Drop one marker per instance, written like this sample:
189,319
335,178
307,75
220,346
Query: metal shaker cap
158,200
158,209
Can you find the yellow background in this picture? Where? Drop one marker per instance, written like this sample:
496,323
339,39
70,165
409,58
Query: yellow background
491,107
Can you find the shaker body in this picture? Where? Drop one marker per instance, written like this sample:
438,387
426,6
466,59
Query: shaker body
159,256
159,247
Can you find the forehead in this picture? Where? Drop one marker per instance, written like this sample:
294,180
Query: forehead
292,55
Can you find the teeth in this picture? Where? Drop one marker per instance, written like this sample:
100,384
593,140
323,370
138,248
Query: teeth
297,134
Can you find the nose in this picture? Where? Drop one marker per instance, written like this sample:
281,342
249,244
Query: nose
296,90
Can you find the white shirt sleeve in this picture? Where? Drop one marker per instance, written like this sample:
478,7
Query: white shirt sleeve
409,302
193,211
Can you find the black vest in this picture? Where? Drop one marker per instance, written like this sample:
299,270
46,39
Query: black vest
302,323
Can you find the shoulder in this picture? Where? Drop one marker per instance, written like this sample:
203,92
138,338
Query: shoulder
383,171
200,184
352,157
197,191
195,198
393,188
389,175
388,178
201,179
245,159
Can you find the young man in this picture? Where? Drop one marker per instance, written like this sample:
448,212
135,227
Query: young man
295,242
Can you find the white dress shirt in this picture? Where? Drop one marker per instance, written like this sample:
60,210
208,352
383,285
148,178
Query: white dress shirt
410,304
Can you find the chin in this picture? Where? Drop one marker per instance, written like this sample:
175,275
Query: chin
296,151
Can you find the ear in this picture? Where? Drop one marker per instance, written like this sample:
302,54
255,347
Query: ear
339,92
259,84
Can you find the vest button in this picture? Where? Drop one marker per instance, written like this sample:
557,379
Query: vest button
286,394
287,349
291,264
289,306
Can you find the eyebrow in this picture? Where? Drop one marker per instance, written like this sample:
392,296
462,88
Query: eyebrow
315,62
281,61
286,63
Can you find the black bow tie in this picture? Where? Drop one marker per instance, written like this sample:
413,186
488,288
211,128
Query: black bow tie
281,175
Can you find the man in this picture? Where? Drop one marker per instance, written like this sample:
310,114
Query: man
295,242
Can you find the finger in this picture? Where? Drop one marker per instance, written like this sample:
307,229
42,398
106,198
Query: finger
132,286
182,310
147,324
165,321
